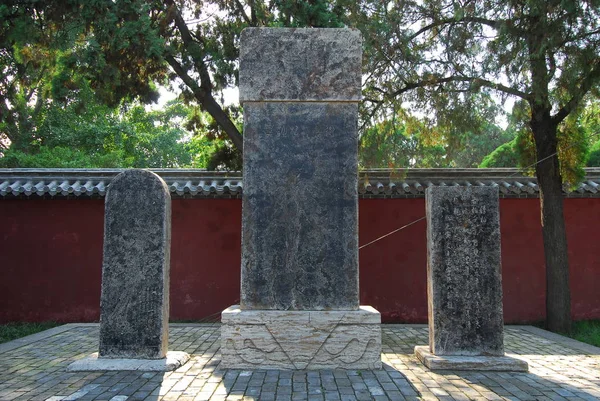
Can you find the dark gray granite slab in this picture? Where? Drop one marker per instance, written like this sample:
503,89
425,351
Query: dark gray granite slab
464,281
300,64
299,213
134,306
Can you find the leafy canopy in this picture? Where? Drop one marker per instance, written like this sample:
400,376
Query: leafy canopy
441,55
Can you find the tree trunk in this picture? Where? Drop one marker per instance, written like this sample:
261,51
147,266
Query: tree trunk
215,110
558,294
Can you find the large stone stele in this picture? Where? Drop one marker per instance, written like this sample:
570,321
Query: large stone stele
464,281
299,305
134,305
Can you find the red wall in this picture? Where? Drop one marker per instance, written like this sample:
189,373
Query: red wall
51,258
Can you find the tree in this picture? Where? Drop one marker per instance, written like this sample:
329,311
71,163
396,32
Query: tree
436,54
409,142
28,57
572,147
505,155
123,47
394,144
404,140
92,135
594,157
591,122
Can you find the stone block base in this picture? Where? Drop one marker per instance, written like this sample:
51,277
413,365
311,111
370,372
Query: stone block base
93,363
272,339
483,363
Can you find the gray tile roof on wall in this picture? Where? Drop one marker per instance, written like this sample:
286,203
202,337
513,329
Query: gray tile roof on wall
186,183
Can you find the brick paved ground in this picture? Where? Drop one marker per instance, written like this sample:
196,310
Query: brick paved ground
34,369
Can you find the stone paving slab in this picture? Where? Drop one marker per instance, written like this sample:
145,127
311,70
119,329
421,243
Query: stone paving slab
34,368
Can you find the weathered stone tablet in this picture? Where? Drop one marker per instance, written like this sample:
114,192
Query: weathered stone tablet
464,279
134,306
299,305
300,89
317,64
300,230
464,282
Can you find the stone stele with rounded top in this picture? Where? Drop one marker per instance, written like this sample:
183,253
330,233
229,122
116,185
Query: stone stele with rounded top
134,304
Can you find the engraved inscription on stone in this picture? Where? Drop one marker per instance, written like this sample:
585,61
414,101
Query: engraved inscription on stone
134,306
463,271
299,214
299,303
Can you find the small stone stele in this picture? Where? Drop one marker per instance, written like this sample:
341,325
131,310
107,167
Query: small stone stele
464,281
134,305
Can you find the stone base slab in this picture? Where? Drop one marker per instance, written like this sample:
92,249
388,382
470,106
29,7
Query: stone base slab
93,363
273,339
483,363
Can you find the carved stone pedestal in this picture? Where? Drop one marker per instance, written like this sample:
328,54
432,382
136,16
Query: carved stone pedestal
272,339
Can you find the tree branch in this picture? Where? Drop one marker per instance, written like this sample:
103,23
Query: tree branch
241,10
209,104
484,21
457,78
202,92
578,37
372,113
552,63
253,16
587,83
193,48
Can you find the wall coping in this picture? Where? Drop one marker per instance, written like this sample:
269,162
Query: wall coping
197,183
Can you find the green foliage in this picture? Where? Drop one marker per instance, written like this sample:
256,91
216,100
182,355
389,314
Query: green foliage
91,135
505,155
394,144
52,51
587,331
60,157
12,331
573,148
445,57
406,141
573,137
590,120
594,155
